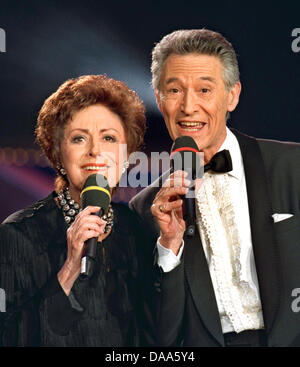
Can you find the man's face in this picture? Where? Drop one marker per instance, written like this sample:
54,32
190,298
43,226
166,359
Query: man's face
194,101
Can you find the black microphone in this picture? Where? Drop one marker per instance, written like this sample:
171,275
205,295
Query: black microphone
95,192
185,157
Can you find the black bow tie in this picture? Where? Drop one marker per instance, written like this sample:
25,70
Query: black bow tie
220,162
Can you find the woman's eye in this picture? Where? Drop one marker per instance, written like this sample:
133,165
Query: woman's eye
110,138
78,139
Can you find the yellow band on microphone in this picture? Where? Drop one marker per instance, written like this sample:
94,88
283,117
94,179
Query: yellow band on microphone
96,188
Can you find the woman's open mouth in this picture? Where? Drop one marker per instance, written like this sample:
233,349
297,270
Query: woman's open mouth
95,167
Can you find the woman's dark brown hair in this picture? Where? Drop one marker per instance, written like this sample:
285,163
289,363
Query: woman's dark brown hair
77,94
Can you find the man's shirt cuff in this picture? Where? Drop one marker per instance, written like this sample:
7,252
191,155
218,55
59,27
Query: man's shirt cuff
167,260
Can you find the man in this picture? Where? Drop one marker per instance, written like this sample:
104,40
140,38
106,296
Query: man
235,282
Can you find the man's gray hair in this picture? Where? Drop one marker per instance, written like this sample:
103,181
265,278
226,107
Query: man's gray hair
201,41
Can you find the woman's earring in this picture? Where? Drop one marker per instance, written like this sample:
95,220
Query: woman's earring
61,170
125,166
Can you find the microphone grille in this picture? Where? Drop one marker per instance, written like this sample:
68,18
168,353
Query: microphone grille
184,142
184,156
96,192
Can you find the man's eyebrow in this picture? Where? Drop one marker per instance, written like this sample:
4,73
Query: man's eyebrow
208,78
171,80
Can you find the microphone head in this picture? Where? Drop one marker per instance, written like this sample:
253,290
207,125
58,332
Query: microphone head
184,141
96,192
184,156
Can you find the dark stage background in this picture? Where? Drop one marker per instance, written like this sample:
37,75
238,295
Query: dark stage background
48,42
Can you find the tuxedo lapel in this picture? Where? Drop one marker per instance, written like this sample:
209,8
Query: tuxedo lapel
263,237
199,282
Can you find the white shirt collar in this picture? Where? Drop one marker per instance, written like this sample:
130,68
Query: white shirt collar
230,143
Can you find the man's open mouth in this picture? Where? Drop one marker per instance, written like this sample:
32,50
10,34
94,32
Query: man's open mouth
191,125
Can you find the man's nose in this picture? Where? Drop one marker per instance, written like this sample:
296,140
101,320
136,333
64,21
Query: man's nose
190,103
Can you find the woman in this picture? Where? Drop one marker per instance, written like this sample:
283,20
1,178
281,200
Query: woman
81,129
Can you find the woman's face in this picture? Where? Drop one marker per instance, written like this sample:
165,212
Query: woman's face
93,142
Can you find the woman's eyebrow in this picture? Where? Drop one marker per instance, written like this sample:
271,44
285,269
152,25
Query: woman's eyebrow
87,131
79,129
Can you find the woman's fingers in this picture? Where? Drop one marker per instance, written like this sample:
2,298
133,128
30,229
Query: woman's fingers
86,235
90,210
86,225
89,214
79,234
90,226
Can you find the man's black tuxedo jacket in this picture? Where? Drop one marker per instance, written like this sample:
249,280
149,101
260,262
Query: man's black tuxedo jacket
183,303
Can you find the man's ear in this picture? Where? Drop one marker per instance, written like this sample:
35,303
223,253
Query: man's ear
234,96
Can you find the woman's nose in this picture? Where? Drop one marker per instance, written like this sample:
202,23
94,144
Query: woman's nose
95,148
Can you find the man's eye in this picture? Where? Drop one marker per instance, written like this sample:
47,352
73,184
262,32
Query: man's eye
204,90
173,90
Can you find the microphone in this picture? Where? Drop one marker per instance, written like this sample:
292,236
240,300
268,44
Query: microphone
184,156
95,192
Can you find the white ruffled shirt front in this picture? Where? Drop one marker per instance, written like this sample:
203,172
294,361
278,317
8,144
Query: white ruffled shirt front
224,226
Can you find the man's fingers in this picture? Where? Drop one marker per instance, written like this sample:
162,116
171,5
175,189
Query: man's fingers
162,208
177,178
178,181
167,192
179,173
172,205
198,183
